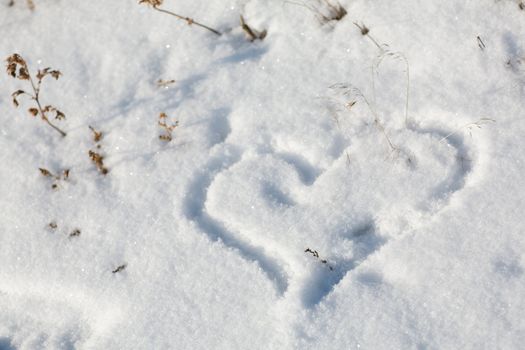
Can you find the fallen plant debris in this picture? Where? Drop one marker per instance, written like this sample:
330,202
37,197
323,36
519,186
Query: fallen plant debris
30,4
168,129
17,68
336,11
252,34
365,31
481,44
96,157
165,83
515,63
62,176
98,160
75,233
53,226
120,268
324,10
45,172
315,254
155,5
97,135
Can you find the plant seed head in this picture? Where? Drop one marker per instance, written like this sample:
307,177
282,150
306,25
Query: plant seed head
153,3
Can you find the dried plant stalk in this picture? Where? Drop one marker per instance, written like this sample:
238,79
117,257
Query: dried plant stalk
17,68
324,10
478,124
155,5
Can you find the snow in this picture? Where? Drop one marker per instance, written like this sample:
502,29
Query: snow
422,240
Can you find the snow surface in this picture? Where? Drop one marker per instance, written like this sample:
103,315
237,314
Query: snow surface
423,244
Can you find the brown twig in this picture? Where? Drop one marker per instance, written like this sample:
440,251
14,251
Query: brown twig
156,3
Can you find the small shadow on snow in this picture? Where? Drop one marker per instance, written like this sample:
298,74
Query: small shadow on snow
365,238
219,127
307,172
243,51
370,278
5,344
366,228
511,44
274,195
321,282
508,268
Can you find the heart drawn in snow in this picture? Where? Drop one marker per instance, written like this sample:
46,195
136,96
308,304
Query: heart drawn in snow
274,206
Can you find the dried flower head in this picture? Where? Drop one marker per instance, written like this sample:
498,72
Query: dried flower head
63,176
42,73
364,29
33,111
324,10
98,160
16,66
153,3
45,172
168,129
97,135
